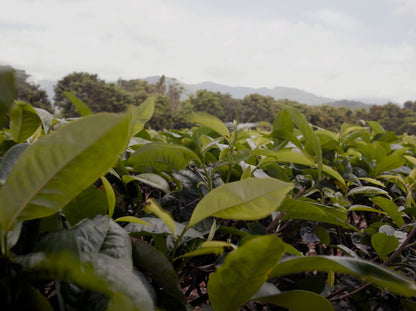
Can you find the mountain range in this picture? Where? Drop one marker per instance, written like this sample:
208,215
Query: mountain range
277,92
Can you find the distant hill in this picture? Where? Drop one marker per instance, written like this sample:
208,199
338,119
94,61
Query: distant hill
353,104
277,93
240,92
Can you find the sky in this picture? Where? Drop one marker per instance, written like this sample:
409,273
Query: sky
333,48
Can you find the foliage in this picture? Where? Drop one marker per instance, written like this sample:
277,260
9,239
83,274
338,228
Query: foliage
101,213
96,93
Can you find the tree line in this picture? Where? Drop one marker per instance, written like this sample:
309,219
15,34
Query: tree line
173,113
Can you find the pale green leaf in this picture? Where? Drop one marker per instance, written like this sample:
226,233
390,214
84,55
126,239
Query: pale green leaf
132,219
152,207
58,166
79,105
372,181
141,114
248,199
367,190
211,122
391,209
111,197
243,272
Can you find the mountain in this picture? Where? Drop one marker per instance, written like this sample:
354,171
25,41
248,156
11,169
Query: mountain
353,104
278,92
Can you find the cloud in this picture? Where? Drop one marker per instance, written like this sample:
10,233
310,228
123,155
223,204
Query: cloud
132,39
405,7
334,19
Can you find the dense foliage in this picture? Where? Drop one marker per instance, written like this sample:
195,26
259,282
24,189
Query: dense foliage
98,213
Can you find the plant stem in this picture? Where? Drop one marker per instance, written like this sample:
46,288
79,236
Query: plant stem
400,248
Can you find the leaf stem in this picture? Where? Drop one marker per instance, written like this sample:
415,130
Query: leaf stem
400,248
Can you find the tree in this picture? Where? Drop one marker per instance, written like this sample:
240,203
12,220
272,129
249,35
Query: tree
207,101
29,92
140,89
162,117
96,93
256,107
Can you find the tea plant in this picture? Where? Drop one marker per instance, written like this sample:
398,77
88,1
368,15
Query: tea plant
99,213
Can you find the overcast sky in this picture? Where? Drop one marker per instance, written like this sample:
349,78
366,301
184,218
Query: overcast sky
334,48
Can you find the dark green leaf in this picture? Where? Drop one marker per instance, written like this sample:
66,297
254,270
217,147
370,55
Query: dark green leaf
364,270
299,300
24,121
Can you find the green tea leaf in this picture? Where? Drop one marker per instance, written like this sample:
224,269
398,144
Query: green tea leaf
132,219
111,197
364,270
24,121
388,163
152,207
391,209
211,122
80,106
384,244
299,300
298,209
150,179
88,204
9,159
248,199
367,190
141,114
158,268
161,157
243,272
59,166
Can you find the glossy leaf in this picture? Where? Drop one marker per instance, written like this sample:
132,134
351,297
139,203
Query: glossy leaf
364,270
80,106
298,209
24,121
298,300
248,199
243,272
161,157
150,179
211,122
209,247
367,190
111,197
50,173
